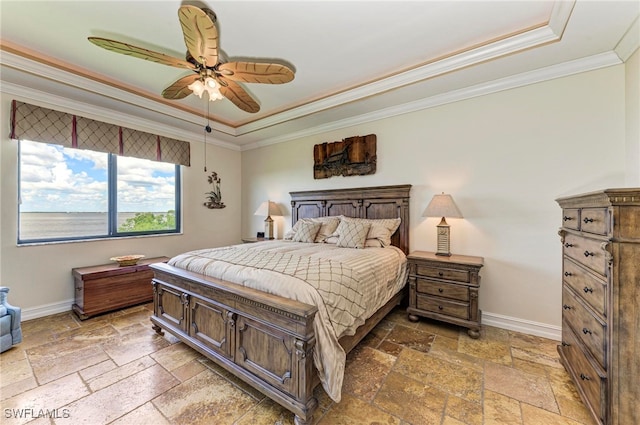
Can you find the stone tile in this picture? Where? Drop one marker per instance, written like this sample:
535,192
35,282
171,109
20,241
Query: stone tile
203,397
522,386
530,367
500,409
14,354
52,324
460,377
175,356
439,328
132,317
411,400
114,401
390,348
98,369
188,370
46,369
444,343
411,338
134,345
535,349
146,414
532,415
465,411
364,372
13,388
399,316
456,357
119,373
451,421
15,372
267,412
489,348
562,384
575,410
54,395
351,411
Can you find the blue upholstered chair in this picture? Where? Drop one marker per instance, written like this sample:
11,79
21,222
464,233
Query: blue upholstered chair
10,331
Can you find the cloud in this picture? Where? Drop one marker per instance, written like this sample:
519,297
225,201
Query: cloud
53,178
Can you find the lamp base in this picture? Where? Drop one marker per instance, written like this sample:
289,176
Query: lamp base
443,239
268,228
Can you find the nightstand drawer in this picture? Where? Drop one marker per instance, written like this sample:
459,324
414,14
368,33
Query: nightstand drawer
442,306
442,273
441,289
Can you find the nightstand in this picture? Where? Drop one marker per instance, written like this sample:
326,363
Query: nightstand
445,288
252,240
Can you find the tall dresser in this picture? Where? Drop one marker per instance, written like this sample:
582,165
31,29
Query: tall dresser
601,301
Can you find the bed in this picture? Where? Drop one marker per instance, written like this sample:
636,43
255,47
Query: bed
265,339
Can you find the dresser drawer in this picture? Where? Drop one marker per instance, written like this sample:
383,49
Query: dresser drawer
594,220
443,306
441,289
589,252
442,273
591,381
571,218
587,285
586,326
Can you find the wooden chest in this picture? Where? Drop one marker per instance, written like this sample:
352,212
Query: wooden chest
601,301
108,287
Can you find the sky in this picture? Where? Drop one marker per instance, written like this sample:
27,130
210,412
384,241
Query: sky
57,179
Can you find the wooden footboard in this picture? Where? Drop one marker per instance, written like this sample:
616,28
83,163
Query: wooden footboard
263,339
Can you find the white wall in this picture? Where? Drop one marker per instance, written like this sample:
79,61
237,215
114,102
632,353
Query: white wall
504,157
39,277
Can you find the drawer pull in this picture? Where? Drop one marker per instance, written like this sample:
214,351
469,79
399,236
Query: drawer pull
564,344
567,274
440,290
568,245
586,331
584,377
440,307
586,289
588,254
78,288
440,274
566,218
587,220
566,307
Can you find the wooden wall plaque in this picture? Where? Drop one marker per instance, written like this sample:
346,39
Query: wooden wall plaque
353,156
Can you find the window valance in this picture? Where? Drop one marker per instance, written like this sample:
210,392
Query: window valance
48,126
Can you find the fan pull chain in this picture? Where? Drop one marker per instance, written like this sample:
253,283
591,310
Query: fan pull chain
207,129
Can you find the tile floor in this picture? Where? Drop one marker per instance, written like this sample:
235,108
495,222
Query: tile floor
114,369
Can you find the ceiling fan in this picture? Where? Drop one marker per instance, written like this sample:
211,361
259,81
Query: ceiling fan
203,58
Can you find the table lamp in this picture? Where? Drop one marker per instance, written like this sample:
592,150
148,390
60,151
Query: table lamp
443,206
269,209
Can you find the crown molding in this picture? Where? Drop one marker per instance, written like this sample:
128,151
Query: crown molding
48,100
503,47
629,42
565,69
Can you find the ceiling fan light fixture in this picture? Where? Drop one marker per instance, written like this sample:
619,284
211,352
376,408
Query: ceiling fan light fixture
209,85
197,87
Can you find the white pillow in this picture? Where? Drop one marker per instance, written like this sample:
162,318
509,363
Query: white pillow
380,230
352,234
307,232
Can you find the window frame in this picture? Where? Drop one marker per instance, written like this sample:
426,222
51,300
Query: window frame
112,207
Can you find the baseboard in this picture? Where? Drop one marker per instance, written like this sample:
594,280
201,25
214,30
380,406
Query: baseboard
46,310
520,325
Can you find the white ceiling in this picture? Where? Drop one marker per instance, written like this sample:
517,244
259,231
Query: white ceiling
355,61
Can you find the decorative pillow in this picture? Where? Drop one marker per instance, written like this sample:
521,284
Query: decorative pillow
352,234
307,231
328,226
381,229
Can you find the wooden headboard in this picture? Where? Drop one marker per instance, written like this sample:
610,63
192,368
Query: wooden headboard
361,202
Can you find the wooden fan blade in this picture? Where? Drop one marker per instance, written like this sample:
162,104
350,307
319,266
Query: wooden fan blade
250,72
140,53
236,94
179,89
200,35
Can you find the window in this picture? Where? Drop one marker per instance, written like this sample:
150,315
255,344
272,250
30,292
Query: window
71,194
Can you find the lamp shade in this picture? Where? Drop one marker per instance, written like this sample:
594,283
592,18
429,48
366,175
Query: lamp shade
268,208
442,206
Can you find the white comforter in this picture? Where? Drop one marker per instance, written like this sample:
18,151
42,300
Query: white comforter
347,285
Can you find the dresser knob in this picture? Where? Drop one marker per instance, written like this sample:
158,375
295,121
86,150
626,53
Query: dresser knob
588,220
568,245
584,377
588,254
440,290
586,331
440,274
566,307
564,344
439,307
587,290
567,274
565,218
